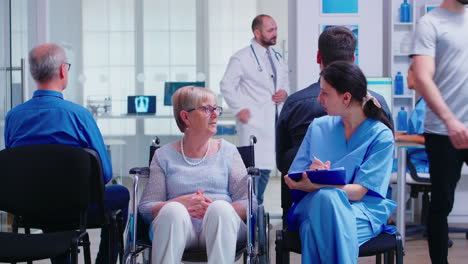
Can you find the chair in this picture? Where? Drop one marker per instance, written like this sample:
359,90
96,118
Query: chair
112,219
36,189
287,241
137,236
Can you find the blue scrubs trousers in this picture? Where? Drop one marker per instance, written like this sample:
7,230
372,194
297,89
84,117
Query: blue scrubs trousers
331,229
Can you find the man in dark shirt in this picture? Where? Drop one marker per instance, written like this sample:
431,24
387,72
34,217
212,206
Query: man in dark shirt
335,44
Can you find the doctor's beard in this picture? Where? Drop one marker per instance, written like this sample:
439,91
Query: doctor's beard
268,42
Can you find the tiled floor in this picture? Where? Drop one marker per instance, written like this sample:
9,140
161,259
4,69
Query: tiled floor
416,248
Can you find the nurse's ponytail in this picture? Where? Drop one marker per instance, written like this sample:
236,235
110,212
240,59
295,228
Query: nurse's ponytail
347,77
373,109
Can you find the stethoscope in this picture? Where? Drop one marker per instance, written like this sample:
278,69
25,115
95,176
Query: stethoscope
259,66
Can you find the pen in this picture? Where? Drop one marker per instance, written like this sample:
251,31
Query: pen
313,156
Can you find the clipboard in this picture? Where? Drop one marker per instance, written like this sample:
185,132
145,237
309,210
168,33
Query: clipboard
330,177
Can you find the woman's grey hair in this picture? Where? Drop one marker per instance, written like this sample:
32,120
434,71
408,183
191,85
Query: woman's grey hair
45,62
186,98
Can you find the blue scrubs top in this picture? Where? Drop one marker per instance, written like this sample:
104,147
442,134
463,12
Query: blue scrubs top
416,127
366,156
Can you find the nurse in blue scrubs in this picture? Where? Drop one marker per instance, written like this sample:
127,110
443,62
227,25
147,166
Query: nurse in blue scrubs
334,220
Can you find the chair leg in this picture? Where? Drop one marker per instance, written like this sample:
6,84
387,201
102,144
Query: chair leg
86,249
27,231
388,257
74,254
282,256
391,256
112,233
378,259
399,249
121,238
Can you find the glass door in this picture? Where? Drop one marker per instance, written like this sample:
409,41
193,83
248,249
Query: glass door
12,52
5,65
4,81
13,38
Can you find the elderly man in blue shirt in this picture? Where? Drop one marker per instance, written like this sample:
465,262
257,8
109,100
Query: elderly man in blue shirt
49,119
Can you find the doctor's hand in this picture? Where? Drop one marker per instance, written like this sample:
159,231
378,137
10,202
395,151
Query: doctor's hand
319,165
304,184
458,134
279,97
243,115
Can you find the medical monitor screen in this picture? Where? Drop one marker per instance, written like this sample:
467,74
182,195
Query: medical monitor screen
171,87
382,86
141,104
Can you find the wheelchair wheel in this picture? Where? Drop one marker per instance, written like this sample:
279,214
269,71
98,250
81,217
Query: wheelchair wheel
267,244
263,235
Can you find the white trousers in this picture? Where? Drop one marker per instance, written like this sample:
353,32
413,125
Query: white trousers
173,232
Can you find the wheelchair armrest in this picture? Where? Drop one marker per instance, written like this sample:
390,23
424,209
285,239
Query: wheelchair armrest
253,171
143,172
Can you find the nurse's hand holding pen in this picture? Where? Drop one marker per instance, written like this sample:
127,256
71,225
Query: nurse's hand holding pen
305,184
319,165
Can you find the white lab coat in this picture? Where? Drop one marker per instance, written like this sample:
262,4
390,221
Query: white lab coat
245,86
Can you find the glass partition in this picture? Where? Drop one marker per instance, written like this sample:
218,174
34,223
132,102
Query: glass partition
121,48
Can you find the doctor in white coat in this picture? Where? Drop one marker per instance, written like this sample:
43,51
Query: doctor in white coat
255,86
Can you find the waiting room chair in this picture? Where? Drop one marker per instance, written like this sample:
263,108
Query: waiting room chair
390,247
138,236
112,219
39,183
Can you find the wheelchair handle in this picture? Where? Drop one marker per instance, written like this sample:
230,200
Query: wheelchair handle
155,142
142,171
253,140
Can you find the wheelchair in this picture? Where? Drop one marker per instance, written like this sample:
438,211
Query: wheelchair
254,251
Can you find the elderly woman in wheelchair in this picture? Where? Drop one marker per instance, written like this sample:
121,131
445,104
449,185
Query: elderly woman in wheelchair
196,196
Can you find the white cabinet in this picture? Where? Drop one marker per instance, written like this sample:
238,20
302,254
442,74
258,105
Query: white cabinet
399,44
399,47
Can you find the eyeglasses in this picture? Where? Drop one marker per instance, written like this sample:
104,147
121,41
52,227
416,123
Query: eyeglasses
209,110
68,64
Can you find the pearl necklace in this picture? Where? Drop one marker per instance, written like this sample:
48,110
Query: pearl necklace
193,163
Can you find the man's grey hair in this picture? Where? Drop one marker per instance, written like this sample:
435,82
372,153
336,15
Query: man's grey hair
45,62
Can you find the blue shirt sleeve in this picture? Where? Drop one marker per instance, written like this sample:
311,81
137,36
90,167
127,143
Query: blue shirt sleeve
94,138
416,120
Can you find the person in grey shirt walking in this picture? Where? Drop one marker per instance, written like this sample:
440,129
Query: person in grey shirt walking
440,54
